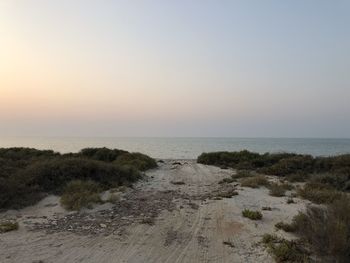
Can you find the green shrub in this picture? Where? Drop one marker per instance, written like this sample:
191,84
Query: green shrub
277,189
242,174
138,160
327,229
284,250
8,226
297,177
79,194
255,181
253,215
26,174
102,154
319,193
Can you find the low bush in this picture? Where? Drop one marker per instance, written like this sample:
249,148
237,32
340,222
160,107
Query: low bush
284,250
297,177
26,174
327,229
79,194
255,181
285,227
138,160
242,174
253,215
277,190
319,193
7,226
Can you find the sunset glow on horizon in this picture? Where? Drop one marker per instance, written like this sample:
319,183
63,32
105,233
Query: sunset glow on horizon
175,68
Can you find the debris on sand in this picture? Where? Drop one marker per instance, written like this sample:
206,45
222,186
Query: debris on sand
177,182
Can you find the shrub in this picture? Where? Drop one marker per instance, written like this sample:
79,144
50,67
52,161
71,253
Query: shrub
26,174
297,177
8,226
319,193
277,190
327,229
242,174
255,181
295,164
101,154
284,250
138,160
78,194
285,227
253,215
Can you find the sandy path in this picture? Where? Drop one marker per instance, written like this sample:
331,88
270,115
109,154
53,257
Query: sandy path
186,234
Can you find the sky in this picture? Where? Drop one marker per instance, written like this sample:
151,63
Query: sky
175,68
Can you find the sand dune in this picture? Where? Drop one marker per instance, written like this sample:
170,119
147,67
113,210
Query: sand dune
183,223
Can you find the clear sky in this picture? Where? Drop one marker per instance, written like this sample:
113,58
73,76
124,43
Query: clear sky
175,68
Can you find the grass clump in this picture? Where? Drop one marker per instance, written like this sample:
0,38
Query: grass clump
253,215
8,226
284,250
80,194
319,193
255,181
277,190
327,229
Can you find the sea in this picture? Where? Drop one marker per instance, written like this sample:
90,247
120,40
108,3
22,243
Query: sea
184,148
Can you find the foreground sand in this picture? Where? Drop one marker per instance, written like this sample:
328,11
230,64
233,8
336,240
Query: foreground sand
189,224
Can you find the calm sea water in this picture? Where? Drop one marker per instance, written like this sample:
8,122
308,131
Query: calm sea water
188,148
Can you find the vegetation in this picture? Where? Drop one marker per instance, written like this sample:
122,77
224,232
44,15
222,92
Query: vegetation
255,181
284,250
319,193
79,194
253,215
8,226
277,189
285,227
327,229
296,167
26,175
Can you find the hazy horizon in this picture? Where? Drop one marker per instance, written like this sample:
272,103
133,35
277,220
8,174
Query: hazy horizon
248,69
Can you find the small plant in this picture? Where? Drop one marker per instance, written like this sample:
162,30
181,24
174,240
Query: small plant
290,200
285,227
255,181
228,243
284,250
8,226
79,194
277,190
253,215
227,194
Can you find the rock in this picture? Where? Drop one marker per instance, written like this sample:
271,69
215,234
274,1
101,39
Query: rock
103,225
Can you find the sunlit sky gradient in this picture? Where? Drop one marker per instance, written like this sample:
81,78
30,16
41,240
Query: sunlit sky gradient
175,68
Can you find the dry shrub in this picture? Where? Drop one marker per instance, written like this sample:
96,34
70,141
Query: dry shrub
327,229
255,181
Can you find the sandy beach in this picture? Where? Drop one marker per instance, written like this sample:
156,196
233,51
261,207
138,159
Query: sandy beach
170,216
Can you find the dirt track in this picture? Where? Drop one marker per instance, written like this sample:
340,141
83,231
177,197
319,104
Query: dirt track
194,230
